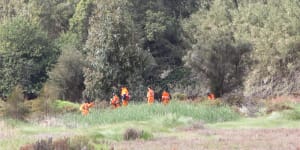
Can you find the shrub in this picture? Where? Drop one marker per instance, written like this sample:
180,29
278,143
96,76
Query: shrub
15,107
132,134
146,135
272,107
234,100
75,143
292,114
65,106
67,76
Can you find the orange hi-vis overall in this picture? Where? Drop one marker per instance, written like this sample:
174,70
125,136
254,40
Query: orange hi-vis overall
211,96
165,97
84,108
125,96
150,96
115,102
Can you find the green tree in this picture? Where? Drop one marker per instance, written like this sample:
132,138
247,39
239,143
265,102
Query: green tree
12,8
114,56
215,52
26,54
79,23
53,15
158,22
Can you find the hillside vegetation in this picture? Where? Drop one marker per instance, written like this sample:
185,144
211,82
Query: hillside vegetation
77,48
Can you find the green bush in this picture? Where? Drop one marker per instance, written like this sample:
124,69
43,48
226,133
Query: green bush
291,114
65,106
146,135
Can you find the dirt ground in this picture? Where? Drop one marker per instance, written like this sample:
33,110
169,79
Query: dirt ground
223,139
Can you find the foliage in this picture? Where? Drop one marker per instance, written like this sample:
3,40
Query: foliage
12,8
230,45
26,54
291,114
113,56
131,134
53,15
15,107
215,52
156,24
274,30
275,107
65,106
79,21
67,75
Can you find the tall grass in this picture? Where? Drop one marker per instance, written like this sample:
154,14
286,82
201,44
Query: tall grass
143,112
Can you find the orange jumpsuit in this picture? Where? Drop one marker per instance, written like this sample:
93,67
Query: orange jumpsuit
150,96
115,101
165,97
84,108
125,96
211,96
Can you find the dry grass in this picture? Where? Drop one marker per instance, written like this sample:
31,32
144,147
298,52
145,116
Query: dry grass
275,107
74,143
6,131
225,139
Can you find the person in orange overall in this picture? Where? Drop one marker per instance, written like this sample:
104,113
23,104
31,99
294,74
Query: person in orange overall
165,97
150,95
210,96
115,102
124,96
84,108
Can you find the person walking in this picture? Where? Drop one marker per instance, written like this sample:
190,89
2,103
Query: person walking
150,96
124,96
165,97
115,101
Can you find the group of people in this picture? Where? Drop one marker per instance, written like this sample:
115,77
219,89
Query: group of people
115,100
